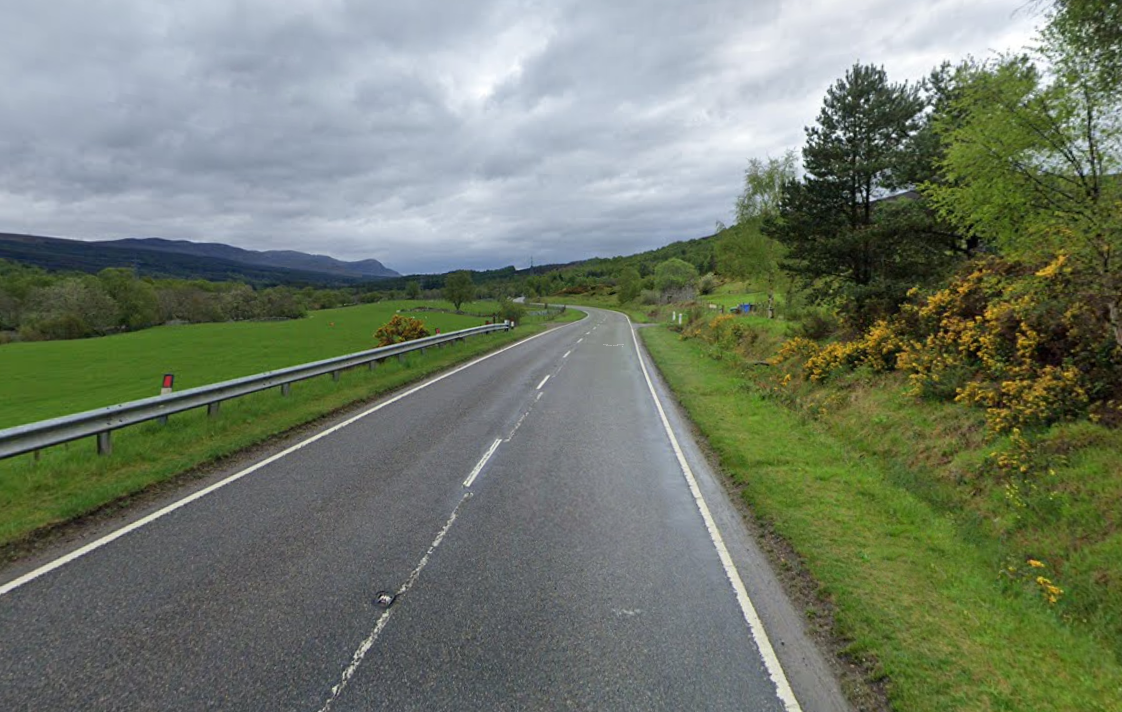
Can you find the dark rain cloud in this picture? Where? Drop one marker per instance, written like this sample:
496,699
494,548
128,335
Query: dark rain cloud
430,135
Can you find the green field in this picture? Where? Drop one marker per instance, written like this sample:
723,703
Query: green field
52,378
69,481
916,595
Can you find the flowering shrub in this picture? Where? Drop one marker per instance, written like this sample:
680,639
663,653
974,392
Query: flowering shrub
727,331
799,348
877,350
1049,395
1031,572
833,358
729,335
400,328
1027,473
1013,340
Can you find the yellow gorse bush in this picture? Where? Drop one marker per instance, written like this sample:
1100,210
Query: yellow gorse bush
1014,340
399,329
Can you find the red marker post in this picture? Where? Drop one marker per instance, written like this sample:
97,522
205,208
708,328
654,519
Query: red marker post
167,387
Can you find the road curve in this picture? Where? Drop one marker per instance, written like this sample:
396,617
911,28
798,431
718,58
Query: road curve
518,534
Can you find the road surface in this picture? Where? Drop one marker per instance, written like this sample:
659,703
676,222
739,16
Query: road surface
521,533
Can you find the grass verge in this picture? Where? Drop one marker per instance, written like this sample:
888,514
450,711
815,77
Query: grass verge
69,481
911,590
51,378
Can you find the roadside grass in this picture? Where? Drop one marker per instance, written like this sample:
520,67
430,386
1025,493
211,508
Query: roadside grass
52,378
913,584
69,480
1063,513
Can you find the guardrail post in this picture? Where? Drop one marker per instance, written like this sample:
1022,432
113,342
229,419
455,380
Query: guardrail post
286,388
104,444
335,376
372,364
212,409
422,350
401,358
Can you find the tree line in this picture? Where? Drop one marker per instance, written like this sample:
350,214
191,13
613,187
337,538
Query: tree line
38,305
965,231
1017,157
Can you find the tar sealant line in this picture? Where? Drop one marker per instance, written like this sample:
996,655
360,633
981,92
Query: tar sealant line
117,534
510,435
483,462
751,617
380,624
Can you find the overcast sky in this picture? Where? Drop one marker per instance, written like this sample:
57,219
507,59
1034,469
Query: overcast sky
432,135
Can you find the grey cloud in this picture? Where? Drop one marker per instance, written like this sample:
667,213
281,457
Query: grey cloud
427,134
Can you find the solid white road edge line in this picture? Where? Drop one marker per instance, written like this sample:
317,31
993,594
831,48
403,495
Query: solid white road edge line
383,619
114,535
543,381
482,462
755,625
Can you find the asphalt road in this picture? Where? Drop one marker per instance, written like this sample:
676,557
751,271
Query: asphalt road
537,528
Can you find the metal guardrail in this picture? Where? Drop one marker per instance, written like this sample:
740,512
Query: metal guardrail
102,421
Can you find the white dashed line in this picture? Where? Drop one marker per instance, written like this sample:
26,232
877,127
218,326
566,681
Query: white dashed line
567,353
482,461
383,619
543,381
113,536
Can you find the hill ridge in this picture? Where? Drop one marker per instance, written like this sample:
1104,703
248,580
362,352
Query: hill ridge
177,259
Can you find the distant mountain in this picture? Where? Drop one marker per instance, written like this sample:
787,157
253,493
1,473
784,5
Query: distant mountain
284,259
186,260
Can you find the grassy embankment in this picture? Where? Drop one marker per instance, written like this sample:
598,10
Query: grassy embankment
914,572
49,379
